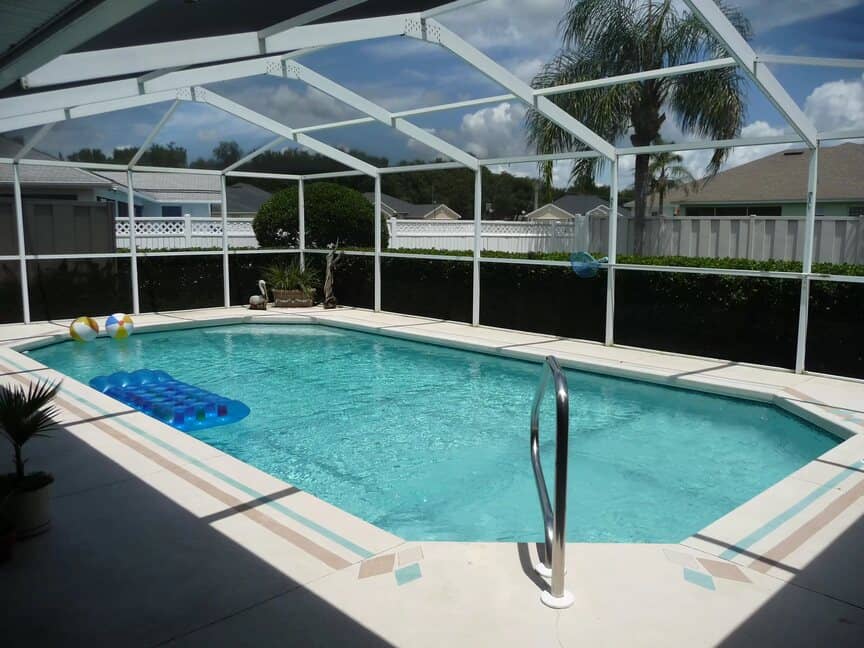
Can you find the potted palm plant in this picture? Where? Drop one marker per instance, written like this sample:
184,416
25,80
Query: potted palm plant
25,414
292,285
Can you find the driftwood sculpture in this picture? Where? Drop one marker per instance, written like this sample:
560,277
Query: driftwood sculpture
334,258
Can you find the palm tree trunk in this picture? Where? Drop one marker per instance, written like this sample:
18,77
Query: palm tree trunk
640,196
19,463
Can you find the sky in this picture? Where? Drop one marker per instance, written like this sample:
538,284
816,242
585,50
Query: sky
402,73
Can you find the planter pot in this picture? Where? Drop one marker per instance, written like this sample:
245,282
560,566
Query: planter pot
30,509
291,299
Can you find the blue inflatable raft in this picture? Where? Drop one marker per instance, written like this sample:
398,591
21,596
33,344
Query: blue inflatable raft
179,404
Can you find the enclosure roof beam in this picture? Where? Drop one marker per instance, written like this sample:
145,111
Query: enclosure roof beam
153,133
815,61
724,31
129,90
450,6
657,73
27,120
98,18
274,176
121,61
37,137
331,174
711,144
201,95
251,156
295,70
431,31
543,157
855,133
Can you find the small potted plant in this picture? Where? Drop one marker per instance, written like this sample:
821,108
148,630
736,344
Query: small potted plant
292,285
25,414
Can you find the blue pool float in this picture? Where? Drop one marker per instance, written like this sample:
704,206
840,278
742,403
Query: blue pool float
584,265
172,401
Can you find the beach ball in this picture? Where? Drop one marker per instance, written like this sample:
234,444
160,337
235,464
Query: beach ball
119,326
84,329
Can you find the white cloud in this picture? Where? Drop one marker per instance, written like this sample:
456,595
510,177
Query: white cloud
837,105
768,14
495,131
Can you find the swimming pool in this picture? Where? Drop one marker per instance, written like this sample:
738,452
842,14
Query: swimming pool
431,443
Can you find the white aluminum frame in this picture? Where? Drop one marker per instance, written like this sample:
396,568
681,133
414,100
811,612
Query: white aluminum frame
273,51
95,20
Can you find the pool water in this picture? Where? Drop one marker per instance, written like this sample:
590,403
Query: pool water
431,443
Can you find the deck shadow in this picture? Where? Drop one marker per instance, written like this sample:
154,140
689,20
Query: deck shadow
124,565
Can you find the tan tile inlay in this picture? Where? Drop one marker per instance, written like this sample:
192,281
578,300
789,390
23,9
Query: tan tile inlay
411,555
680,558
774,556
377,566
725,570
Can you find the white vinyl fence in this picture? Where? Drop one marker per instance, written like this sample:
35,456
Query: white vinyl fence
501,236
185,233
837,239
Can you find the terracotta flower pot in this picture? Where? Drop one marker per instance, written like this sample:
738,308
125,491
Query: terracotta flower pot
291,298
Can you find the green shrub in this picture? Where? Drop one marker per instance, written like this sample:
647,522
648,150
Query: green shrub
333,213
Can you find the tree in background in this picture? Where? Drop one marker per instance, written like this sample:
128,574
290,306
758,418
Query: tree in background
604,39
332,213
167,155
666,171
227,153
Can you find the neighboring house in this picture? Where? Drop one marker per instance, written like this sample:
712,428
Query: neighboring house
47,182
548,212
243,200
776,185
156,194
167,195
392,207
570,205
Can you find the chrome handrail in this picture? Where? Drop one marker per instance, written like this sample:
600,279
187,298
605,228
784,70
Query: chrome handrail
554,522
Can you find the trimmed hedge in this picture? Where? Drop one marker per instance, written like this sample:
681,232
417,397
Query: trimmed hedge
745,319
332,213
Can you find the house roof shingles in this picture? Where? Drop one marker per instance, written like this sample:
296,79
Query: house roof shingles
396,207
171,187
44,175
782,177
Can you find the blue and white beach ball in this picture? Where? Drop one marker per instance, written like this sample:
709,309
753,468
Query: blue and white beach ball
119,326
84,329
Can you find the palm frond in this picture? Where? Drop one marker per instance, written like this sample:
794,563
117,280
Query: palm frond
27,413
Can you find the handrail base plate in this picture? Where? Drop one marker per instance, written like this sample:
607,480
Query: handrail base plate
557,602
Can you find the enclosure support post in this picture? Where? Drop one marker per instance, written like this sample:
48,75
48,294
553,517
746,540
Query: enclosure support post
226,278
22,260
612,253
301,223
377,243
133,246
478,231
807,261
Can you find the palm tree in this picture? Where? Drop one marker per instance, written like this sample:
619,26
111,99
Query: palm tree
666,171
604,38
25,414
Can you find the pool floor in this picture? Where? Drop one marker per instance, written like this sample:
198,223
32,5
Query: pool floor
431,443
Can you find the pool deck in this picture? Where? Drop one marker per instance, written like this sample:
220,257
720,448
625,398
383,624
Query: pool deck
158,538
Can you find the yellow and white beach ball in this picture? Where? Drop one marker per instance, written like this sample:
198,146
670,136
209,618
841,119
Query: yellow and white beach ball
84,329
119,326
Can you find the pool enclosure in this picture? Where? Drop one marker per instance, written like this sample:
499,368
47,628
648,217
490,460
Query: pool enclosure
52,86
